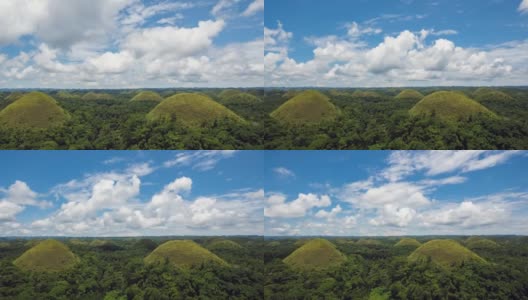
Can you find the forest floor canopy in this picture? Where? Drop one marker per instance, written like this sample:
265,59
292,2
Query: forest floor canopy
392,118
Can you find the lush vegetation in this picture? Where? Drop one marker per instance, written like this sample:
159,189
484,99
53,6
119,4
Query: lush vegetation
120,272
385,271
366,120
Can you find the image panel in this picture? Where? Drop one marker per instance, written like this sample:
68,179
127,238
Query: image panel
131,74
396,225
402,75
131,225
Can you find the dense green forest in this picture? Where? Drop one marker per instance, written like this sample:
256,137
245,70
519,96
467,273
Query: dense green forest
384,268
375,119
116,268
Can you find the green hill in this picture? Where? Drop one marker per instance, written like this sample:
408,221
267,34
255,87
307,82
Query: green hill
487,94
67,95
147,244
183,254
409,95
147,96
47,256
315,254
408,242
97,96
78,242
240,98
446,253
33,110
229,93
14,96
478,243
307,107
451,106
191,109
224,245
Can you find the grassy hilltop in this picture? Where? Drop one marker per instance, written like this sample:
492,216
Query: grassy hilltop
183,254
33,110
47,256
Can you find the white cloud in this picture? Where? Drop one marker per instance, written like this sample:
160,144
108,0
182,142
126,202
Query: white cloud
356,30
523,7
277,207
284,172
223,7
393,215
9,210
16,197
329,214
200,160
467,214
253,8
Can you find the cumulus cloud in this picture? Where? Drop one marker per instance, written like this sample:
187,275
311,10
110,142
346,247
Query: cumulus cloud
16,198
107,44
406,58
523,7
277,207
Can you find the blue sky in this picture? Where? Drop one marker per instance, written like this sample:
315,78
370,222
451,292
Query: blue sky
353,193
109,193
344,43
361,193
131,43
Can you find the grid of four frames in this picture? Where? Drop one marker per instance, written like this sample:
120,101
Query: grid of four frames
263,149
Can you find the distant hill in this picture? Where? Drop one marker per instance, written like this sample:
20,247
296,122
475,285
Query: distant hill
315,254
14,96
147,96
408,242
182,254
290,94
97,96
191,109
409,95
239,98
446,253
305,108
367,95
451,106
488,94
47,256
33,110
478,243
147,244
223,245
67,95
368,242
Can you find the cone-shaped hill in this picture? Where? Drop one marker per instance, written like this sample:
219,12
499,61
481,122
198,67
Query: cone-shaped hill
451,106
478,243
240,98
191,109
97,96
487,94
409,95
67,95
224,245
446,253
33,110
47,256
182,254
229,93
315,254
307,107
408,242
147,96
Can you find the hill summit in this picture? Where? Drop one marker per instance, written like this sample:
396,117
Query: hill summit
306,107
182,254
408,242
147,96
451,106
409,94
488,94
33,110
479,243
315,254
191,109
446,253
47,256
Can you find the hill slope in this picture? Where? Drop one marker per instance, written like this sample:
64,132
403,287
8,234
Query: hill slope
240,98
147,96
191,109
408,242
183,254
478,243
409,94
449,106
47,256
33,110
224,245
487,94
307,107
315,254
446,253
